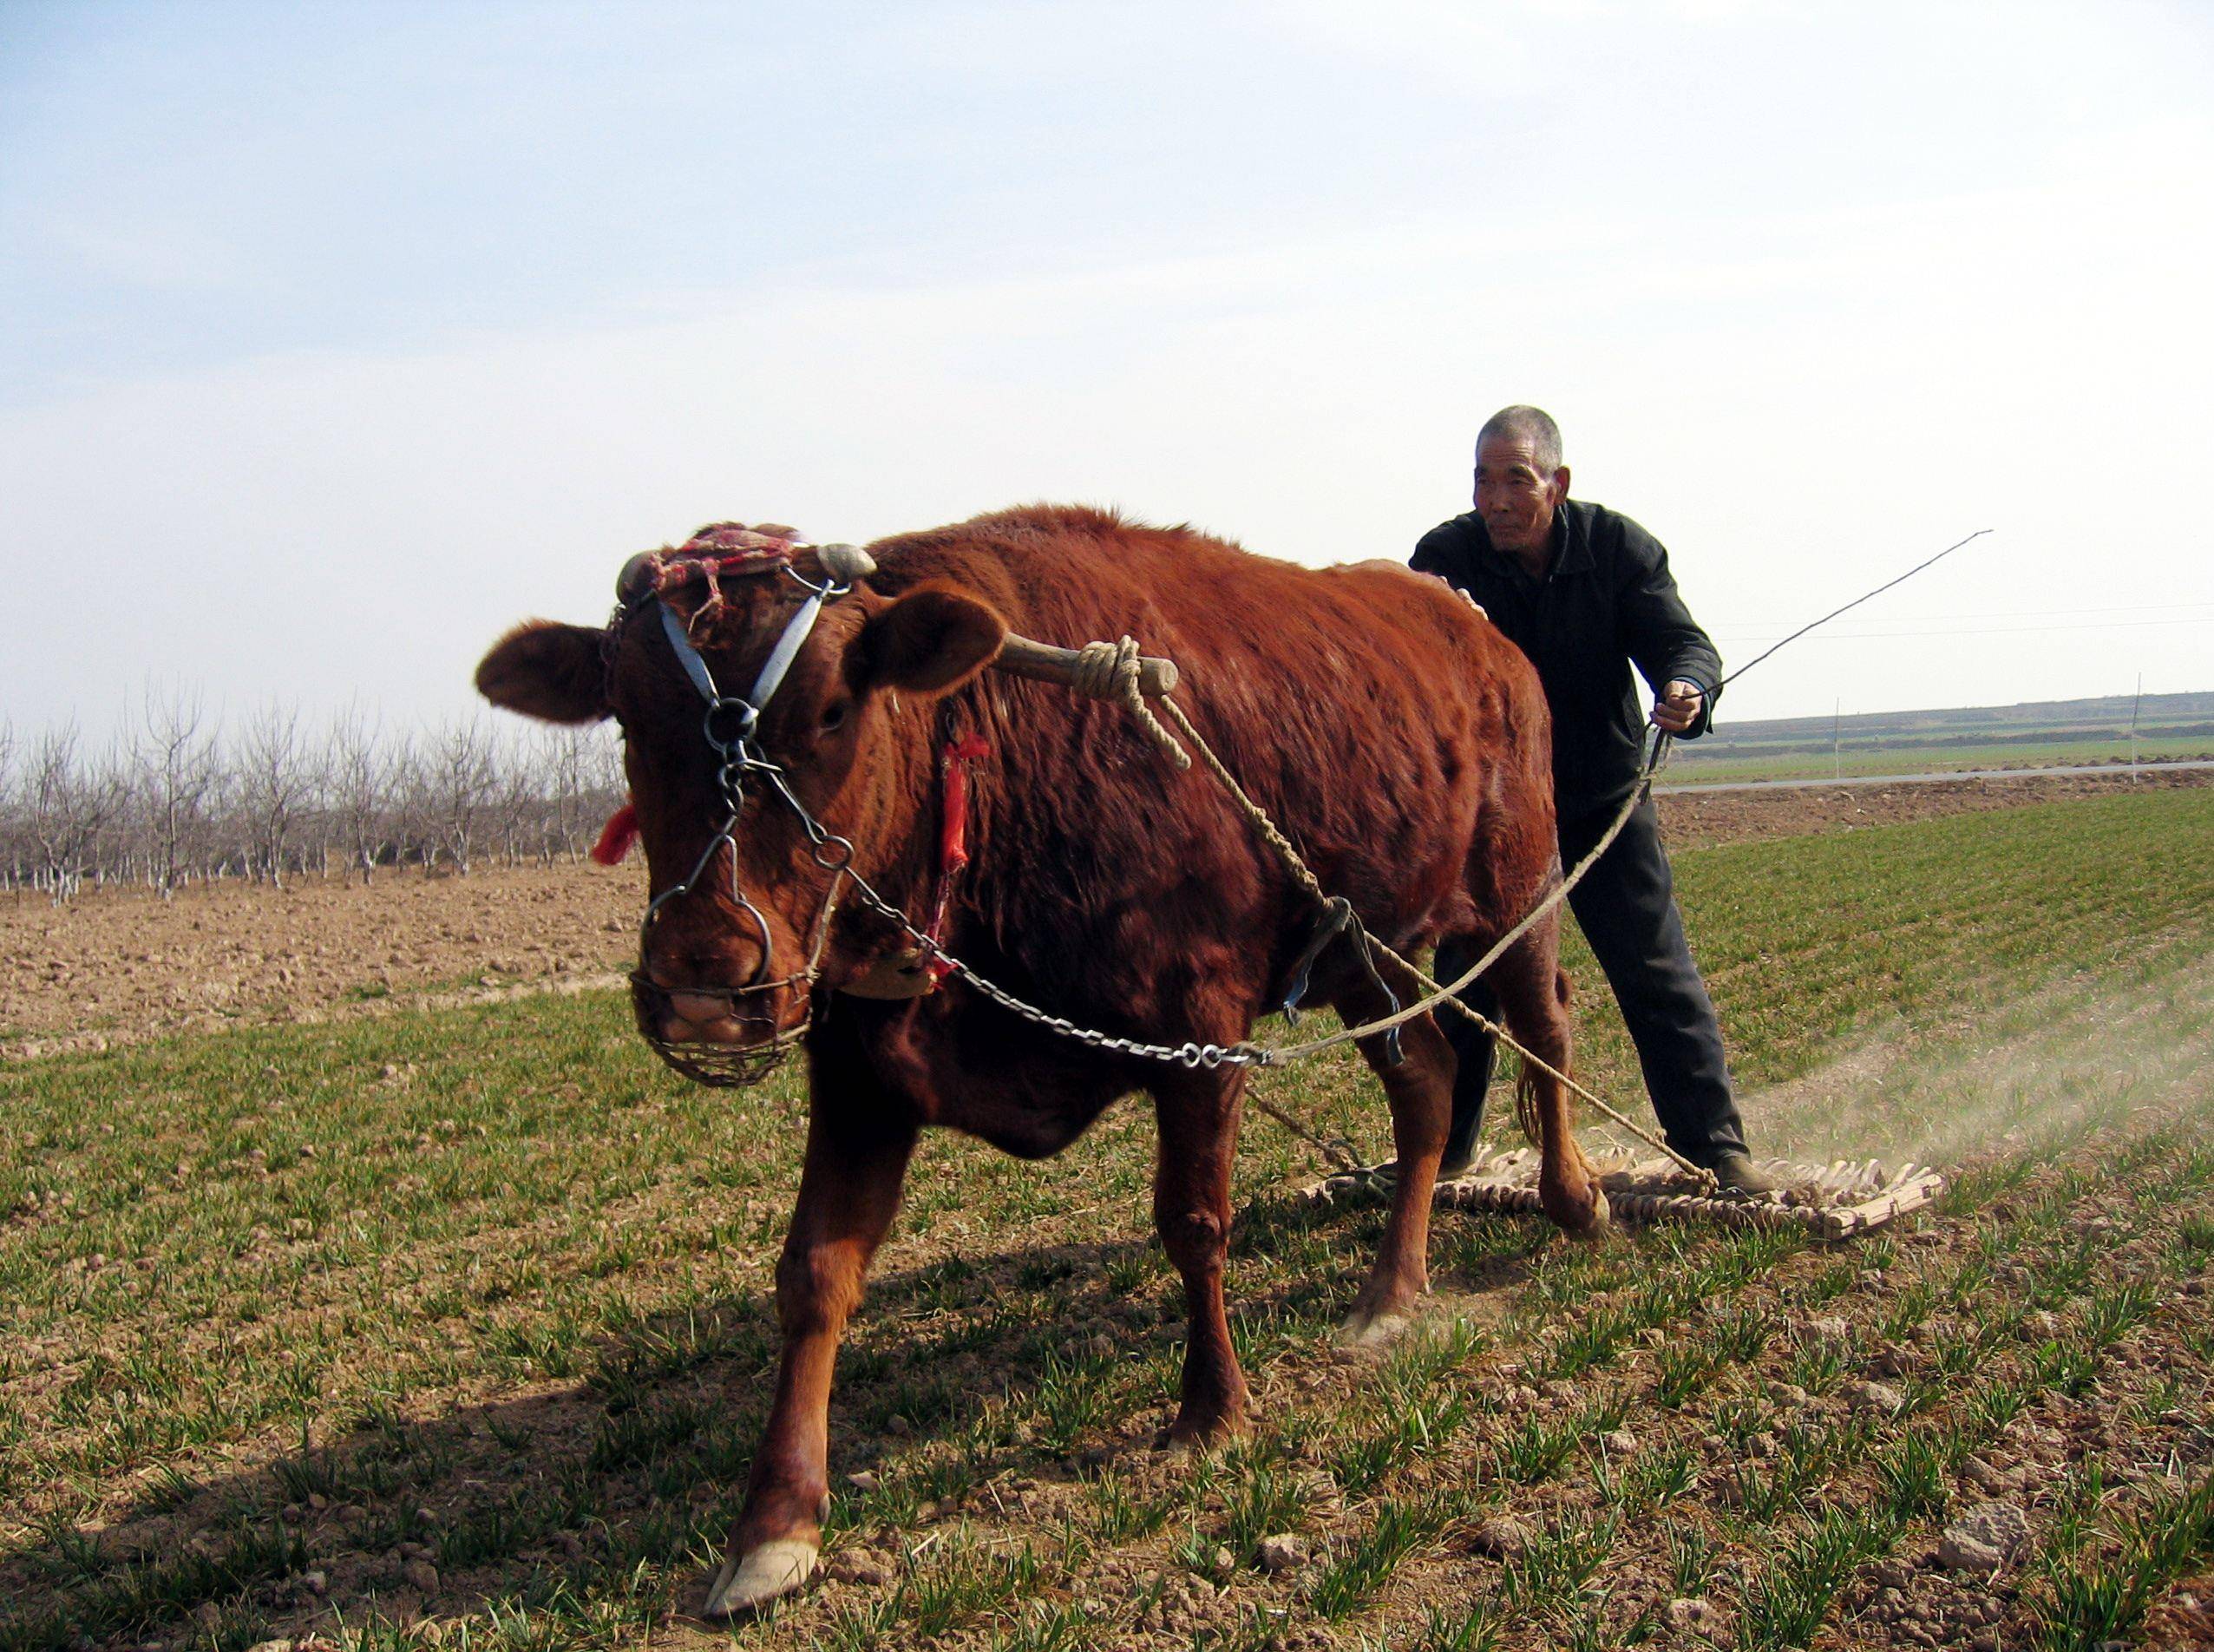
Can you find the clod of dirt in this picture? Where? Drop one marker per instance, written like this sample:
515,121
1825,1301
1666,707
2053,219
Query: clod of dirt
2186,1618
1892,1359
1879,1397
865,1567
1501,1535
1692,1612
1984,1539
1989,1477
1282,1552
420,1574
1619,1442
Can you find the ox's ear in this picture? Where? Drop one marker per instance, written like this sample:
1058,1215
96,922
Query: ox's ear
930,640
547,671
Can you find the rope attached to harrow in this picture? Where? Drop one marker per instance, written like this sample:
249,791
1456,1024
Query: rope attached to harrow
1110,670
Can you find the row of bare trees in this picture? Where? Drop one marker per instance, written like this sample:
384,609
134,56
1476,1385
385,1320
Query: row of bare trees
178,795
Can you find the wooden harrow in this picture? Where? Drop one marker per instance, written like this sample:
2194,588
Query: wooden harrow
1831,1202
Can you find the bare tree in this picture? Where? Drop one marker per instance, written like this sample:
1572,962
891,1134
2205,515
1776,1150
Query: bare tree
174,770
176,797
570,759
517,803
65,806
361,785
276,779
460,771
12,855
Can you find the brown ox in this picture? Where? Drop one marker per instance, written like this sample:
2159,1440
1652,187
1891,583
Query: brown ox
1396,736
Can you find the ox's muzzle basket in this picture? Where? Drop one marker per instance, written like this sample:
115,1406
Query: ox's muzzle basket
761,1049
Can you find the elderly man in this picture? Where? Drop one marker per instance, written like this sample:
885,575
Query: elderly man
1587,595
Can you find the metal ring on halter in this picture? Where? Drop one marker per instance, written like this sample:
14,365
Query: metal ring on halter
747,715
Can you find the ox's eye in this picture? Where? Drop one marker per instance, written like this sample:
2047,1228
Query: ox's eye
834,715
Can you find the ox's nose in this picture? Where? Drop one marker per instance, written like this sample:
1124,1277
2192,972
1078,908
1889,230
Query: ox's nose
700,1018
699,1008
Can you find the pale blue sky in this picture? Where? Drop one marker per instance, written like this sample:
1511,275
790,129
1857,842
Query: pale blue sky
337,337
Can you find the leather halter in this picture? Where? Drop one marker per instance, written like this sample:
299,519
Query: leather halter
729,727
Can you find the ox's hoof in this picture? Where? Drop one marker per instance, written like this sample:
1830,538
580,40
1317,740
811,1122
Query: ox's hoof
1601,1214
750,1580
1200,1429
1573,1217
1361,1333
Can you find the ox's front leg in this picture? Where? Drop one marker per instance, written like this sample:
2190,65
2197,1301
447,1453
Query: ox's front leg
1198,1114
848,1191
1419,1085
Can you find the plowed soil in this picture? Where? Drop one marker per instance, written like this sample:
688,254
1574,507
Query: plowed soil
114,967
1693,819
117,967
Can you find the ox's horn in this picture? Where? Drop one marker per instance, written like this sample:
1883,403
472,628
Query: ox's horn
845,564
1020,657
632,577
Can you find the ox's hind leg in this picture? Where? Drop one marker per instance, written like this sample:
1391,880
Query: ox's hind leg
849,1190
1419,1087
1533,995
1198,1113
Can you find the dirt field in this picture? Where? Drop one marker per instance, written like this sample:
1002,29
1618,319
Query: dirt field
455,1329
115,968
1735,817
112,968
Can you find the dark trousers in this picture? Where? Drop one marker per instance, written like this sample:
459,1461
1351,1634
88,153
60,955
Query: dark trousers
1626,907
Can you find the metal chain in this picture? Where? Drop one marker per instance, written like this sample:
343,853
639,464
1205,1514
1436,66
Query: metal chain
1114,666
1190,1054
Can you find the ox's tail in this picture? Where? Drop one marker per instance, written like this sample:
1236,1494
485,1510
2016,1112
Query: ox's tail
1526,1075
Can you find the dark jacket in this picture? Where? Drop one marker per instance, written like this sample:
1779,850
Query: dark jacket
1607,602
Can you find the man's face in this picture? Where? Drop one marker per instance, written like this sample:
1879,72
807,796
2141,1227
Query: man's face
1517,499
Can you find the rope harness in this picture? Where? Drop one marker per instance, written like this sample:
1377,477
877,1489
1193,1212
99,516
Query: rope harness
1122,656
1103,671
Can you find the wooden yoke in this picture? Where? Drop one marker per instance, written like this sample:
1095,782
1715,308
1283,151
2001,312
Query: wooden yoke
1042,662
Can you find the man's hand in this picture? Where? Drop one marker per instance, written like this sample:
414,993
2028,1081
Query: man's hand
1679,706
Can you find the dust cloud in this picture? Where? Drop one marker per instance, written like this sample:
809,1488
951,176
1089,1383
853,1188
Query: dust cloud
2010,1074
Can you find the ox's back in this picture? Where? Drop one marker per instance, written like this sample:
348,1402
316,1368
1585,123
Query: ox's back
1375,715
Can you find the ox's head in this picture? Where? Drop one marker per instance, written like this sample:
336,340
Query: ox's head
754,677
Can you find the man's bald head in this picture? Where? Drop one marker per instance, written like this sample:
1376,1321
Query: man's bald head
1520,482
1531,426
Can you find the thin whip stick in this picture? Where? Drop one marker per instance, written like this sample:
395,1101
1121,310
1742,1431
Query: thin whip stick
1855,603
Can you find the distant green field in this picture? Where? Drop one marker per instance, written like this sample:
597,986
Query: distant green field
492,1284
1689,765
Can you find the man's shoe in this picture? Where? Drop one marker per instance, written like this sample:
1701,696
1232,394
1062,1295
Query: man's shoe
1738,1174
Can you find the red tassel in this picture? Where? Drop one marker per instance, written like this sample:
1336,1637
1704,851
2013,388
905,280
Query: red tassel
617,836
952,819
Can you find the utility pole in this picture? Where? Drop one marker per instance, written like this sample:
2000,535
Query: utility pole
2134,705
1837,745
